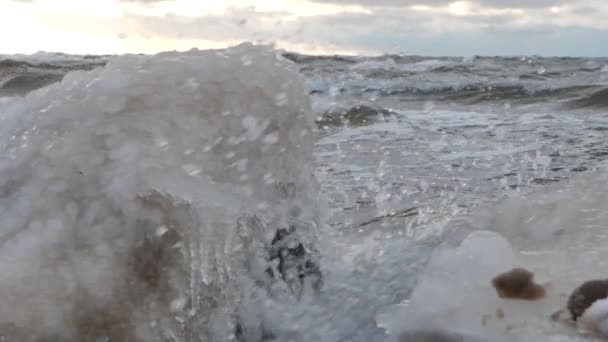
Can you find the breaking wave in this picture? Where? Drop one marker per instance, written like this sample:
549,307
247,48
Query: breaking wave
597,99
20,76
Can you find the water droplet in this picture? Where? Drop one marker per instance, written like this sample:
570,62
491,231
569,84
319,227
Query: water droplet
424,186
541,70
271,138
269,178
192,169
162,230
161,142
542,160
262,205
178,304
246,60
334,91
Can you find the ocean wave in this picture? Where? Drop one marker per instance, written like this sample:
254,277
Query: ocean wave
467,93
413,78
597,99
303,59
430,65
20,76
140,200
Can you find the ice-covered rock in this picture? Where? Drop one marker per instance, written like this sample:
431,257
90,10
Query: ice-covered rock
122,188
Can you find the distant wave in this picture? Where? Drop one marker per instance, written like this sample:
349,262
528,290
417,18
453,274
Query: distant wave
471,80
299,58
597,99
18,77
474,93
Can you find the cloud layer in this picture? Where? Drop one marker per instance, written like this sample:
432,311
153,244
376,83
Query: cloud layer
436,27
429,27
490,3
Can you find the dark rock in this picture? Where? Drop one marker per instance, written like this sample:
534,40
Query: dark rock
438,335
296,264
360,115
585,295
518,283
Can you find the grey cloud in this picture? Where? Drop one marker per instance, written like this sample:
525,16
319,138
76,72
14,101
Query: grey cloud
247,24
584,10
380,3
242,23
489,3
521,3
386,30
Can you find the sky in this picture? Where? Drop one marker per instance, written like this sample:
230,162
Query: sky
370,27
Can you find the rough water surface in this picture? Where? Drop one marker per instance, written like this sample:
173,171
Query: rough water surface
151,197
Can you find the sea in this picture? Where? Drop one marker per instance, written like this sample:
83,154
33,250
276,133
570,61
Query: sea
254,194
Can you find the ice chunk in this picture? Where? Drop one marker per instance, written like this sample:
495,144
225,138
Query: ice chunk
82,256
595,318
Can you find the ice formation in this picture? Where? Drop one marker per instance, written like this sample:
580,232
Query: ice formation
138,198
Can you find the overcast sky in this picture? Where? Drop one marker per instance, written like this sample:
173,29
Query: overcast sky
426,27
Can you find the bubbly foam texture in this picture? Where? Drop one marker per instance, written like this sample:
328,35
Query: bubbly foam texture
558,233
134,195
